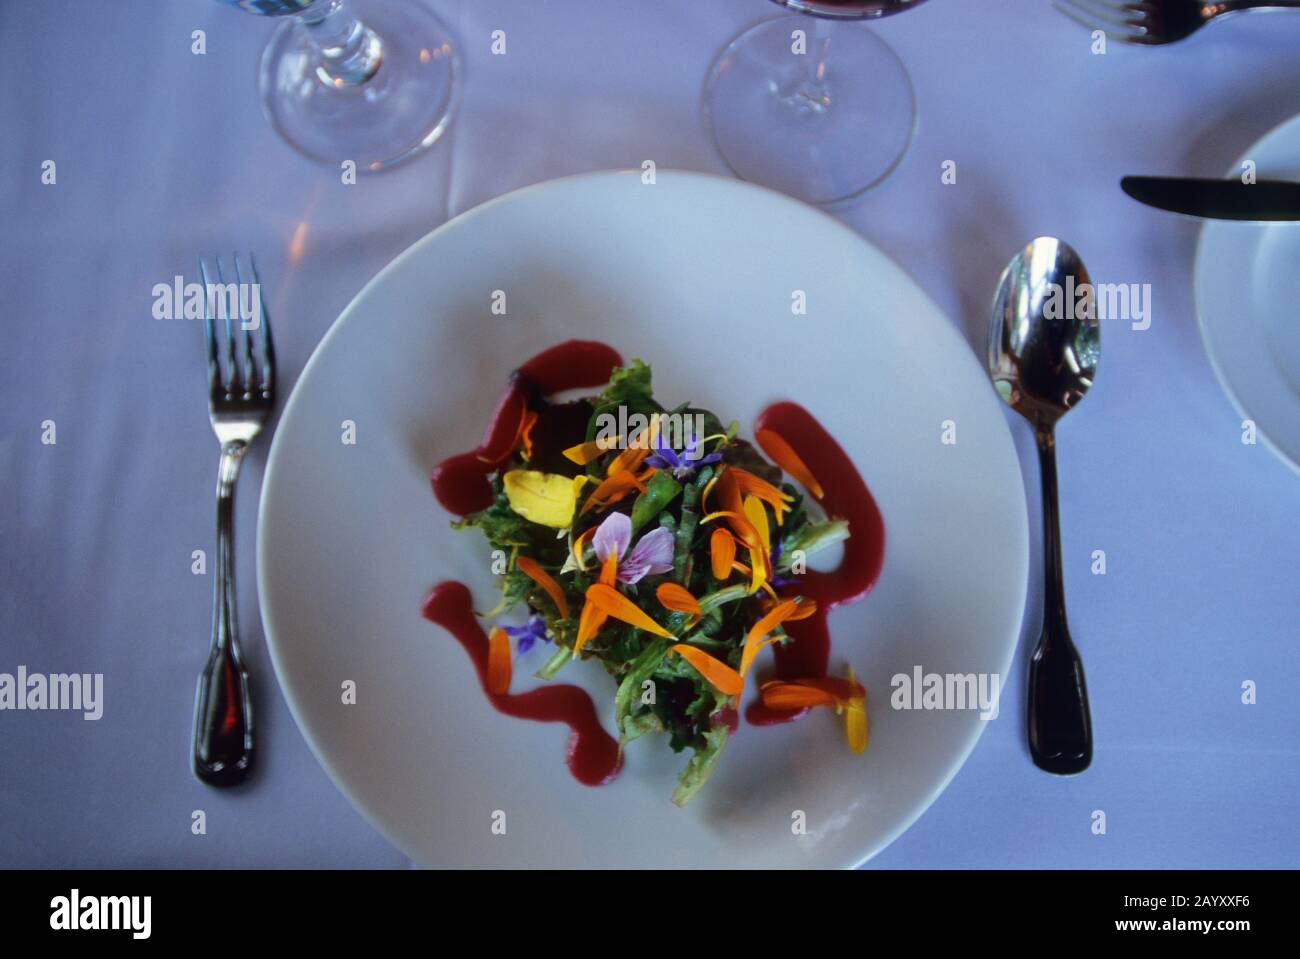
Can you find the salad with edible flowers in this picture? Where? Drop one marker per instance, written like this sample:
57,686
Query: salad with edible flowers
661,544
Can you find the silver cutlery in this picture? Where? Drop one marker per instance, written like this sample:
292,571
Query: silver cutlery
1263,200
1158,21
240,398
1042,361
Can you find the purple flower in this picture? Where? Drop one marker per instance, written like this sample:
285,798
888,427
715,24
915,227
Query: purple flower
683,464
653,554
528,634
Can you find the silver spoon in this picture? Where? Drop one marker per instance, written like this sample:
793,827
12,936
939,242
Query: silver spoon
1043,350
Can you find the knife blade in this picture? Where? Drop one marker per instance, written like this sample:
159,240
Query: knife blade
1271,200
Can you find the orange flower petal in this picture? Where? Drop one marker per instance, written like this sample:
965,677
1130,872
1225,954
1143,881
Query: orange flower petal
629,459
498,664
609,569
526,433
613,603
678,599
785,457
742,527
842,690
779,695
589,622
612,489
806,608
717,673
544,579
722,552
729,492
757,486
752,649
757,637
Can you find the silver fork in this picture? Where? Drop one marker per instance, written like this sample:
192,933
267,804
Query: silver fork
239,402
1158,21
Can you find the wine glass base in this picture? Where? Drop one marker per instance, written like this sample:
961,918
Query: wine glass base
398,112
823,126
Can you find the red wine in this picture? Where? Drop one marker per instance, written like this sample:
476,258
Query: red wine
850,9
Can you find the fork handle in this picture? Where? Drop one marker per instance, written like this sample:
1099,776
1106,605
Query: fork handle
223,711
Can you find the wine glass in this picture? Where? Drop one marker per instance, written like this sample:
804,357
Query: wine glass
375,90
820,108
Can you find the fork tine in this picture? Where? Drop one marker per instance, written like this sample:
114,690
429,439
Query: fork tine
268,345
251,379
236,386
1118,6
214,364
1102,11
1090,17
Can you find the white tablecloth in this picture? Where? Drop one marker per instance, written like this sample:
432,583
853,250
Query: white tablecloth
162,154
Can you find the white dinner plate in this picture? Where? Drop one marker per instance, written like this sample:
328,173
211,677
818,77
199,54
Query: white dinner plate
1247,291
698,276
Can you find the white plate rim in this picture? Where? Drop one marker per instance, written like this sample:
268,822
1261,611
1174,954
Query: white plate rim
1020,575
1200,278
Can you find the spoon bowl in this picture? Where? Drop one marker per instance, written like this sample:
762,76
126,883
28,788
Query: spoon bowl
1044,341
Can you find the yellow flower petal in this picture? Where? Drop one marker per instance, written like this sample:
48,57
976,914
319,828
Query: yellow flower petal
547,499
757,516
584,453
855,720
580,546
758,555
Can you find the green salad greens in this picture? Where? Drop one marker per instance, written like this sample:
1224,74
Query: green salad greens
657,542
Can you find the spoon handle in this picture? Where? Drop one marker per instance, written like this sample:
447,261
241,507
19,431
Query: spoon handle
1060,727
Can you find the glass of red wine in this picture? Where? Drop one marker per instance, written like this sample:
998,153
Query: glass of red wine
375,88
817,107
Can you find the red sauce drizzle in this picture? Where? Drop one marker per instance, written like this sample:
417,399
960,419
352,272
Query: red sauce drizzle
846,497
461,486
460,483
592,753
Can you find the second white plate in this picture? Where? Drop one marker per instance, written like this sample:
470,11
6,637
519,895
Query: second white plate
1247,291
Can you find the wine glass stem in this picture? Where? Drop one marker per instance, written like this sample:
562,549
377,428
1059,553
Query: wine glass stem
349,52
814,89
